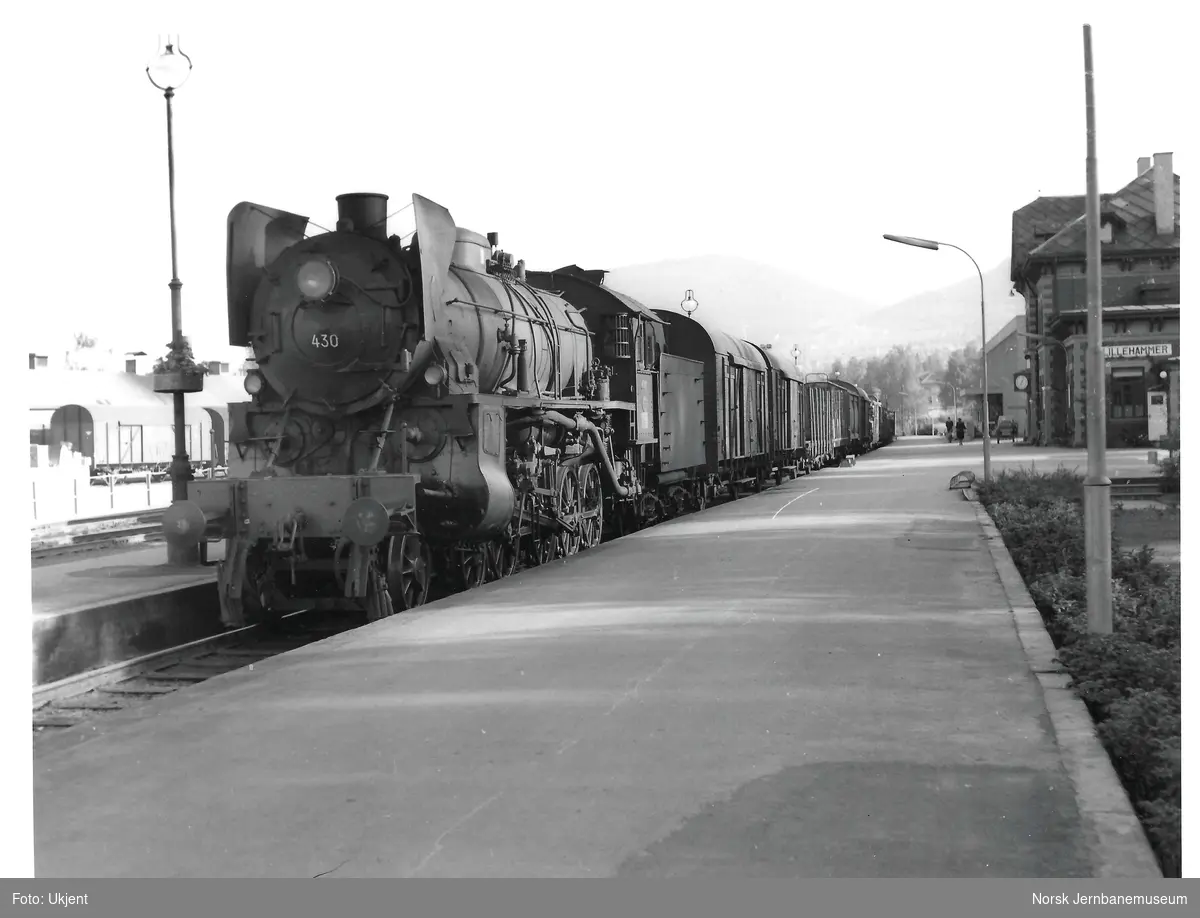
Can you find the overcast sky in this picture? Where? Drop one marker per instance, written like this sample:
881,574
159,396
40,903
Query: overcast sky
606,134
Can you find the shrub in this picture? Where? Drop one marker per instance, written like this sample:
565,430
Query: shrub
1130,679
1107,668
1031,488
1142,736
1043,537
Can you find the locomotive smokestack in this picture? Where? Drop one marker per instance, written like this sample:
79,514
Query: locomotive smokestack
366,213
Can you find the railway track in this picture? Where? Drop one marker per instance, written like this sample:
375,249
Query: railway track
93,695
99,534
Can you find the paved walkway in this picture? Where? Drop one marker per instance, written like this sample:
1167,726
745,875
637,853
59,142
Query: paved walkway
821,680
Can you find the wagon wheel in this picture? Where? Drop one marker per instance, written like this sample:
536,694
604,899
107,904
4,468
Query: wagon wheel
408,565
472,565
676,503
568,512
591,523
649,510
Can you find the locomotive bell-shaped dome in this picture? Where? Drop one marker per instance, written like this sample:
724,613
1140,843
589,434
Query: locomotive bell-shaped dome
471,251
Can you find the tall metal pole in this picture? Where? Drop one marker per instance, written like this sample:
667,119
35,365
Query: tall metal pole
168,67
181,467
1097,520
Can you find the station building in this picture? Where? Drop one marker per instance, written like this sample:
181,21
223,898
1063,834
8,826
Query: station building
1007,371
1139,279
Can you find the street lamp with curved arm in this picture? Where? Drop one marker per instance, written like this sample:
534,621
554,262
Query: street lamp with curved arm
935,245
168,72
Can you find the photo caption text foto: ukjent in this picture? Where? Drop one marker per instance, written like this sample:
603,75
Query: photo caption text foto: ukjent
49,899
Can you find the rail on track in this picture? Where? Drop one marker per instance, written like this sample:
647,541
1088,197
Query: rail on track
82,698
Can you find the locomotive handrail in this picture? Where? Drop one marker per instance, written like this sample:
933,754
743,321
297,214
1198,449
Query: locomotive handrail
528,318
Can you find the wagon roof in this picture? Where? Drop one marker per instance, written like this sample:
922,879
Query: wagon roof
742,353
596,280
781,366
50,389
851,386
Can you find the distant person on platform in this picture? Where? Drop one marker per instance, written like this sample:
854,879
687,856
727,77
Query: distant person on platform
949,428
961,430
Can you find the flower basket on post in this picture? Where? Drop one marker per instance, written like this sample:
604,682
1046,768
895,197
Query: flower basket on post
179,381
178,371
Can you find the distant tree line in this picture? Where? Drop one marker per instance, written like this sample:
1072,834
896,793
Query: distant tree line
906,377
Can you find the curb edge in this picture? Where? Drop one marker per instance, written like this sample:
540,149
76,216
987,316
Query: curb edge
1116,839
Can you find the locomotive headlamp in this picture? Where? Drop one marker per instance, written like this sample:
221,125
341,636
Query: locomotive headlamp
253,383
316,279
434,375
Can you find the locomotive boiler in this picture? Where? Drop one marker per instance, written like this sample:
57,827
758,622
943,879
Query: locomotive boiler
416,411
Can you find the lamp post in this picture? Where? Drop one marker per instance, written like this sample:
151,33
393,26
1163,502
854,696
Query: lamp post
1097,521
931,244
796,355
168,72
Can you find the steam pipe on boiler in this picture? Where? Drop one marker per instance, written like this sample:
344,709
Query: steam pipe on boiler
584,426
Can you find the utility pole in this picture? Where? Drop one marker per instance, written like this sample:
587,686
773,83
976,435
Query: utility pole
1097,521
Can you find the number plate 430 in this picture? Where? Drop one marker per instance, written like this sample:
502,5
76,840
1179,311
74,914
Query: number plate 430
325,340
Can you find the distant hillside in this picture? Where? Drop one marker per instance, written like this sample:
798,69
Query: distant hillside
756,302
949,317
768,305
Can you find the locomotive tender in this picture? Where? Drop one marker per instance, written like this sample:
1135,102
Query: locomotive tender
434,412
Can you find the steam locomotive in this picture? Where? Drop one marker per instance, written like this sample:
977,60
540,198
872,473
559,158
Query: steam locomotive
434,414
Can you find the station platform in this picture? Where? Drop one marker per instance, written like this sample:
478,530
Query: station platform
820,680
115,606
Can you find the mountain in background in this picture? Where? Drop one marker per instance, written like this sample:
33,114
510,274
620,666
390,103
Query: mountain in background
756,302
767,305
949,317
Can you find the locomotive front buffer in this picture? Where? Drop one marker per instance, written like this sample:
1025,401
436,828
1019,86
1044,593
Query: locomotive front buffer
349,526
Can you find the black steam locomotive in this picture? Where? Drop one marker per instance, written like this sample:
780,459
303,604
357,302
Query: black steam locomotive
433,414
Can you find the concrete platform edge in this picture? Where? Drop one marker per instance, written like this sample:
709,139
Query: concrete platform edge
86,639
1116,839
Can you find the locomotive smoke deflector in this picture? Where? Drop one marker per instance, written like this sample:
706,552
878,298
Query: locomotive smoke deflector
256,236
436,236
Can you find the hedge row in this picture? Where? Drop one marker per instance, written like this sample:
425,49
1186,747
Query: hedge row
1130,679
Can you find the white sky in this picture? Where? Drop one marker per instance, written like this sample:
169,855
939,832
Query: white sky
606,134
